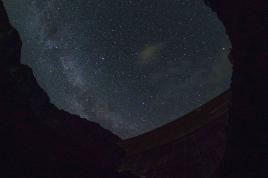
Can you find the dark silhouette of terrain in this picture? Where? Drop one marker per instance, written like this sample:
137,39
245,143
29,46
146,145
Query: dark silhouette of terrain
196,153
39,140
246,24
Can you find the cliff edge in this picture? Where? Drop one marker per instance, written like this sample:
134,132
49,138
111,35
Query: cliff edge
37,139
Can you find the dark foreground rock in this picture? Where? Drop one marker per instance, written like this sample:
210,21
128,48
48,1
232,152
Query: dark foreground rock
39,140
201,154
246,24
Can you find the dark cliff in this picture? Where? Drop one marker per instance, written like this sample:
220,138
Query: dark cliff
210,150
246,24
37,139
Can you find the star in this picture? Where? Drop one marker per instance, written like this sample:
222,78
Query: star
128,65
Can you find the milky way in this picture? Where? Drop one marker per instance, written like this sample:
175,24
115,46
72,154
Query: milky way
130,65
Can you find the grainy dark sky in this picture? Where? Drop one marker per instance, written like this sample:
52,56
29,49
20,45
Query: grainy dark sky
130,65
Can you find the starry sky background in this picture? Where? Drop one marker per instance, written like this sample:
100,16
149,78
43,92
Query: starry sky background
130,65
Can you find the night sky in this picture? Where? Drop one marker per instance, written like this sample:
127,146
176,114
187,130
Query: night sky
130,65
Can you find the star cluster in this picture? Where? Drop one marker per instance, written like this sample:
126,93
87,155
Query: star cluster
130,65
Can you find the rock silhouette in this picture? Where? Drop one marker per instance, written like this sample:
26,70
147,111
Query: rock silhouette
197,153
246,24
37,139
